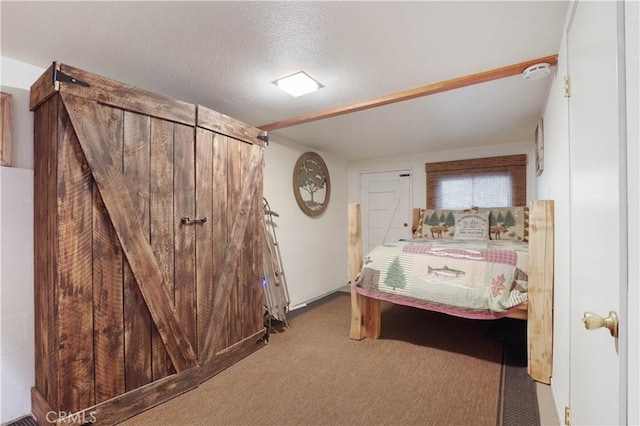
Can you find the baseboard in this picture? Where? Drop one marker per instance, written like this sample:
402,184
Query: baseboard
342,288
317,301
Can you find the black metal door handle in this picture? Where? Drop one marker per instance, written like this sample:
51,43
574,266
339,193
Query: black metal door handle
187,220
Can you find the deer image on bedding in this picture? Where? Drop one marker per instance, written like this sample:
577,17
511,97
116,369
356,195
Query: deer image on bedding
438,230
497,230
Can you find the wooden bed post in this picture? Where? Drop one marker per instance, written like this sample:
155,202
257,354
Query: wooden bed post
365,312
540,315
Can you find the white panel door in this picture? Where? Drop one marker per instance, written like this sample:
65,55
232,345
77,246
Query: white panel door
598,212
385,199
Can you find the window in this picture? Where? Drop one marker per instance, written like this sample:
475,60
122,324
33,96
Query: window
482,182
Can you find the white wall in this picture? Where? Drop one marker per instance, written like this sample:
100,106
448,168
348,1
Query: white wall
553,184
416,163
17,359
314,250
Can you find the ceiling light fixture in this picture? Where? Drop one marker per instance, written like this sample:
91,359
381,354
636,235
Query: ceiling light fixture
537,71
298,84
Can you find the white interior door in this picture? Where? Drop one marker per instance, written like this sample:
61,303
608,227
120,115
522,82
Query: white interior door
385,200
631,328
598,212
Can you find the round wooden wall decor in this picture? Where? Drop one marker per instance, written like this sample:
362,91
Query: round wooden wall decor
311,184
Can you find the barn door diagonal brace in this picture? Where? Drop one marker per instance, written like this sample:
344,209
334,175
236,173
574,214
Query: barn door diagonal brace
89,123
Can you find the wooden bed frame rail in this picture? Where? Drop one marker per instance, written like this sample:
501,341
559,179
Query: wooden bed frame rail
538,311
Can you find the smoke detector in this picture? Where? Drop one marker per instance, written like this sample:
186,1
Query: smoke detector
537,71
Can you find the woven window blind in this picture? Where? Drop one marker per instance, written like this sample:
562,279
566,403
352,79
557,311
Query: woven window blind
483,182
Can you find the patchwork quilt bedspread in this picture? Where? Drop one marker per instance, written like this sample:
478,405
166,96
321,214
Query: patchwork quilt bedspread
473,279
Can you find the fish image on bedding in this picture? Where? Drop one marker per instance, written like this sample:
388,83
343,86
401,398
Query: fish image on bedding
445,272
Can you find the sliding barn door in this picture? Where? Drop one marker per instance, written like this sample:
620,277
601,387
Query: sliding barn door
229,250
148,258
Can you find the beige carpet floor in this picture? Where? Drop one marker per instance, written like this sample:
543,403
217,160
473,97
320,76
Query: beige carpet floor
427,369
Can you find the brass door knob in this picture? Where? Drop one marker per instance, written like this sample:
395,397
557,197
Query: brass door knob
593,321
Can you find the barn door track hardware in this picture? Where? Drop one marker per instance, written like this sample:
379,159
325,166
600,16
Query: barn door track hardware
58,75
264,137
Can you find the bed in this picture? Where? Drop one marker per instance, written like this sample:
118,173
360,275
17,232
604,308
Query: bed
523,266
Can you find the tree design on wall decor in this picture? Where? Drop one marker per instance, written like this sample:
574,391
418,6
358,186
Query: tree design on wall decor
311,179
311,184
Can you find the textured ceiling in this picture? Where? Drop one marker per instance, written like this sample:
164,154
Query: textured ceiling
226,54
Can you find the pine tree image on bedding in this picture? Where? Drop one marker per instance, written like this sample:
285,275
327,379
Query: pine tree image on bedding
395,275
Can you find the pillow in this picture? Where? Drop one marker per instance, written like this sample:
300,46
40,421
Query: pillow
471,226
438,224
508,223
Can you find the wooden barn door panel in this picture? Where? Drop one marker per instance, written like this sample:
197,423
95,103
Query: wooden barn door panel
45,254
185,234
249,301
91,124
137,319
75,267
108,324
211,241
250,284
205,261
227,183
234,182
244,302
161,221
